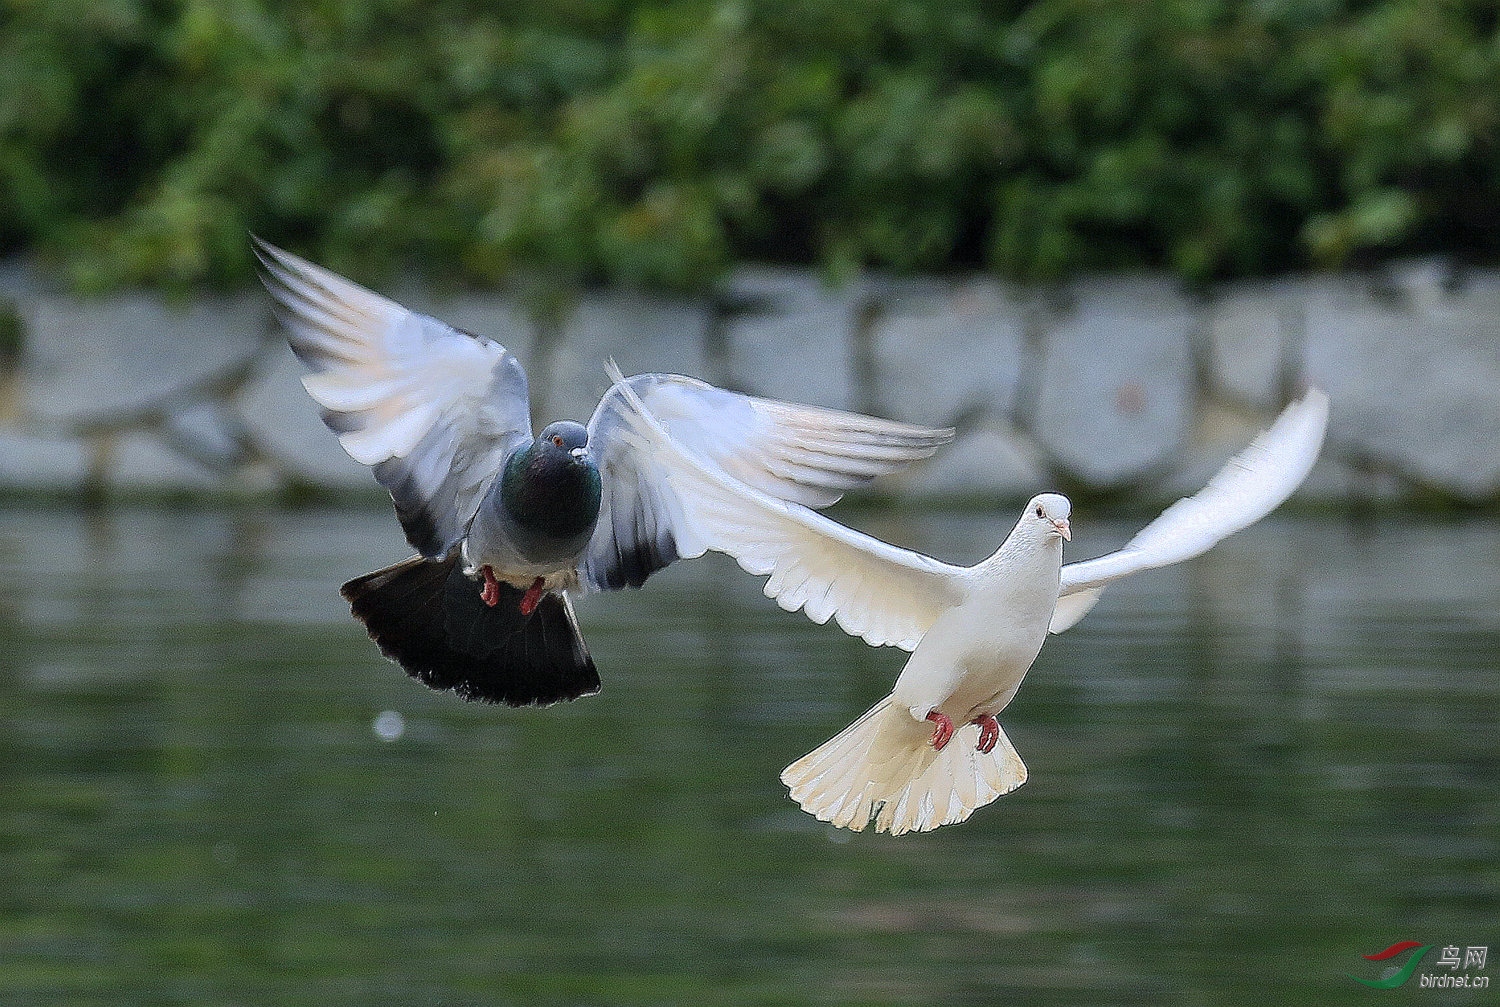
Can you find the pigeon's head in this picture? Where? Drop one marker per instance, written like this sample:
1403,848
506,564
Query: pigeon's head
1048,514
567,436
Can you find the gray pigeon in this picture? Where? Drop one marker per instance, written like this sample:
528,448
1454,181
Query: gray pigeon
506,524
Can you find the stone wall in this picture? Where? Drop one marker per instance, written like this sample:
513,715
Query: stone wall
1124,388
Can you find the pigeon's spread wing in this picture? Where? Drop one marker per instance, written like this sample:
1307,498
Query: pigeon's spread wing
798,453
1246,489
641,527
876,591
805,454
435,410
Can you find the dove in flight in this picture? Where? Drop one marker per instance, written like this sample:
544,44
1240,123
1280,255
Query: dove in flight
505,523
932,752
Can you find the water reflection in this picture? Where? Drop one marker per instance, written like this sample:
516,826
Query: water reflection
1246,772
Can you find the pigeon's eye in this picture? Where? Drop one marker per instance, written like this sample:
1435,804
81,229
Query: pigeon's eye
1039,511
557,439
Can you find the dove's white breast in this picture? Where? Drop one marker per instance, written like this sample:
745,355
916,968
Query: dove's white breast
973,658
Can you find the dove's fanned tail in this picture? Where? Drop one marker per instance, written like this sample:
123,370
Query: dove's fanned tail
882,769
430,619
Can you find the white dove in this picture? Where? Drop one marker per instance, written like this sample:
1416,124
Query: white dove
931,752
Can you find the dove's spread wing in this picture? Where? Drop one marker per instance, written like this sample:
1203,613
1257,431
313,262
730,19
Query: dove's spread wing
791,452
435,410
1246,489
876,591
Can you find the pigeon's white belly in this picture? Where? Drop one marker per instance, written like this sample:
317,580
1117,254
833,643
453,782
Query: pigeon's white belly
509,566
496,542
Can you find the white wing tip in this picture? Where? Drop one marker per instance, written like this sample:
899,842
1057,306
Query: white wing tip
1302,427
1314,404
1315,394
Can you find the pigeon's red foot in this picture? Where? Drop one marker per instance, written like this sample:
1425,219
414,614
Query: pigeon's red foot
989,732
942,731
490,594
533,597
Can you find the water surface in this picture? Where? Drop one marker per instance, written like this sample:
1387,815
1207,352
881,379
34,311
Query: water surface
1246,772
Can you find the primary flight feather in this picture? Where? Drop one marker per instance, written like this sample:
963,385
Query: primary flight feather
506,523
932,751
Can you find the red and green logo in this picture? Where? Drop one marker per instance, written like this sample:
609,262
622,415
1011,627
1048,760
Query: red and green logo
1397,977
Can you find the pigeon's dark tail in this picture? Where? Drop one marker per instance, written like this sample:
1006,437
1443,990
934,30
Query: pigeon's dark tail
429,618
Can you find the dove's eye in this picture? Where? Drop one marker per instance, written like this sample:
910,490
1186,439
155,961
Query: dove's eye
557,439
1039,511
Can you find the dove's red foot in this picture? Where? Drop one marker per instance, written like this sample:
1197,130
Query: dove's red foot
532,597
942,732
490,594
989,732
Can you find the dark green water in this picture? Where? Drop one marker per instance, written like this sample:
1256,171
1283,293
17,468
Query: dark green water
1246,773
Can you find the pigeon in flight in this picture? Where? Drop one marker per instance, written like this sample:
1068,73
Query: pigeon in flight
932,752
506,523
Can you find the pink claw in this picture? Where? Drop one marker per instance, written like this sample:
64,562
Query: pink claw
490,594
533,597
942,733
989,732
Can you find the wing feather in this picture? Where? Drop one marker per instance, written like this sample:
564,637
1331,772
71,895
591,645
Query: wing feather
800,453
806,454
433,409
879,592
1251,485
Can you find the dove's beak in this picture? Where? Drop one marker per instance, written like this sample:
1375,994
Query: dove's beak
579,452
1064,529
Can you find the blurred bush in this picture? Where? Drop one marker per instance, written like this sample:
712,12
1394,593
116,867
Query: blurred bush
654,143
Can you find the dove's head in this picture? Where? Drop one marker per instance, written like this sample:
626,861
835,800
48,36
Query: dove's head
1047,513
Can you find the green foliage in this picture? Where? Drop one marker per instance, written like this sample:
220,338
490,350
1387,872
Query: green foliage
654,143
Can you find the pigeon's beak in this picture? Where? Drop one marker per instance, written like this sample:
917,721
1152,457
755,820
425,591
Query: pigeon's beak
1064,529
579,453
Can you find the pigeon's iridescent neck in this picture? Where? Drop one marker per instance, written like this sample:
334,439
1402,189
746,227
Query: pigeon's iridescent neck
547,491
